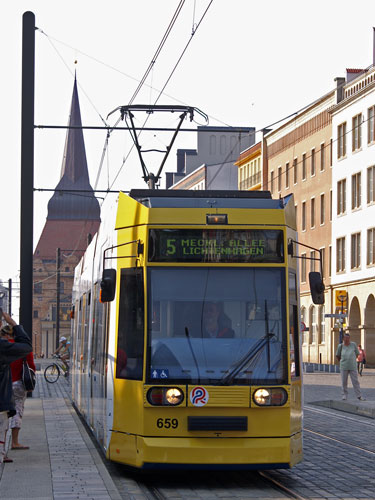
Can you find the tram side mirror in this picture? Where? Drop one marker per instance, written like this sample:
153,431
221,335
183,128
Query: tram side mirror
316,287
108,285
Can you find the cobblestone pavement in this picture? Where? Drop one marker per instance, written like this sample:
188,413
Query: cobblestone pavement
339,451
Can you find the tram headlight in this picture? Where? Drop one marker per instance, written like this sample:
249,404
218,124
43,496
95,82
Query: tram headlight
165,396
174,396
275,396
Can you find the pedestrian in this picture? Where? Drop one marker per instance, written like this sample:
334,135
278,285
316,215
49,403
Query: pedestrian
347,353
9,352
19,391
361,359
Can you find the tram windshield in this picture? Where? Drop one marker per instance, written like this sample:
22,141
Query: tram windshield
217,326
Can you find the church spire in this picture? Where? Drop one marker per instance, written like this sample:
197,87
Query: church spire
74,174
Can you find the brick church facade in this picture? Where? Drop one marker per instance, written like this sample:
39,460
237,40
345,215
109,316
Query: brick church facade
72,220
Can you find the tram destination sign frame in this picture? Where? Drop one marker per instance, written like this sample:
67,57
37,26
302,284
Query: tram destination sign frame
212,245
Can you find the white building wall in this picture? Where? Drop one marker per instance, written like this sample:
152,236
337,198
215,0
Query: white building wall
363,218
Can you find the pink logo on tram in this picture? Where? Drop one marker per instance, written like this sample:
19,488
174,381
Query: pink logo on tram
199,396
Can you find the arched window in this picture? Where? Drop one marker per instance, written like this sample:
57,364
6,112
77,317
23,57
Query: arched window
212,144
223,144
322,325
312,324
303,320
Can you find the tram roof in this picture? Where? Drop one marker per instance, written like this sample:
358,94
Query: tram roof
184,198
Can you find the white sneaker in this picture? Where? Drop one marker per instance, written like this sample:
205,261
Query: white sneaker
361,398
344,398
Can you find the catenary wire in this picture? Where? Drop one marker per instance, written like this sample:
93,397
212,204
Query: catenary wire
162,90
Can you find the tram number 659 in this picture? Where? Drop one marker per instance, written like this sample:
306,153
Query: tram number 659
167,423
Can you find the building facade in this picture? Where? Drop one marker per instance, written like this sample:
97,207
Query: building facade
298,160
353,222
211,165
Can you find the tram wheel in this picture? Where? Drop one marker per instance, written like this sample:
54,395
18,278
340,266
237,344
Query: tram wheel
52,373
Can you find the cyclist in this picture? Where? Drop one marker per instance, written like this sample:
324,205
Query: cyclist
63,351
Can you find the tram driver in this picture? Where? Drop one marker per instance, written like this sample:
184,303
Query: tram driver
215,322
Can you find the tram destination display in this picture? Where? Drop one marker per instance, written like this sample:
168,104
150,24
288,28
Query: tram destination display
216,245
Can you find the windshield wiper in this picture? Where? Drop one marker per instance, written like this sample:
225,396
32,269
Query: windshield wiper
253,351
241,363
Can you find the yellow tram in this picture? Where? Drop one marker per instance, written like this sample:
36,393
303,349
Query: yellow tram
186,331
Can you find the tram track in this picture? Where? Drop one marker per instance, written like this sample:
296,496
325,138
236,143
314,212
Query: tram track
340,441
279,486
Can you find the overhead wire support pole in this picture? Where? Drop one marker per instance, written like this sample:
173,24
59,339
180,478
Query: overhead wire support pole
27,170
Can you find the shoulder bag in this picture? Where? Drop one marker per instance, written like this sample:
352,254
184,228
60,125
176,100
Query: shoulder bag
28,377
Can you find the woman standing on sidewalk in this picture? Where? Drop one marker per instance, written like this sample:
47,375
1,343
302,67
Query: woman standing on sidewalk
9,352
19,391
361,359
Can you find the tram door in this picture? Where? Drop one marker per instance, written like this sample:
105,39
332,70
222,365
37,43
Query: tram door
97,376
77,354
74,340
91,368
84,355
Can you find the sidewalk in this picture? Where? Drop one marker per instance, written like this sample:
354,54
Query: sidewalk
324,389
63,463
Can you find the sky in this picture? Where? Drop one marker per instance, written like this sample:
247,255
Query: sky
248,64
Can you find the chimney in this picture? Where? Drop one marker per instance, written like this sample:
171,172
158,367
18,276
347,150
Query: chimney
340,82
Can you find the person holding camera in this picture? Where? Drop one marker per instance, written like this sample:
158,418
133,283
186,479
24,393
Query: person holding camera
9,352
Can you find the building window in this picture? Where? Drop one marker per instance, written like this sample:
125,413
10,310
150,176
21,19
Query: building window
312,162
296,213
356,251
322,157
312,212
322,209
330,152
371,185
304,166
67,269
303,215
330,205
303,267
341,140
371,246
322,325
279,173
312,261
340,255
35,313
341,197
323,257
356,191
38,288
287,175
356,132
272,179
329,260
295,171
371,124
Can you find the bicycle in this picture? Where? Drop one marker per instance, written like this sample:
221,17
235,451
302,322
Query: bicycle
52,372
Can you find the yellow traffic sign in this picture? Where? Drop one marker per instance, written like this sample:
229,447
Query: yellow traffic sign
341,298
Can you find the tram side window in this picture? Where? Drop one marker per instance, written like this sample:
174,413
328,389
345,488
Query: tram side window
293,328
130,342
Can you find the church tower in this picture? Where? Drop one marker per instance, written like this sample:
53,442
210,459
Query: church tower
72,220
